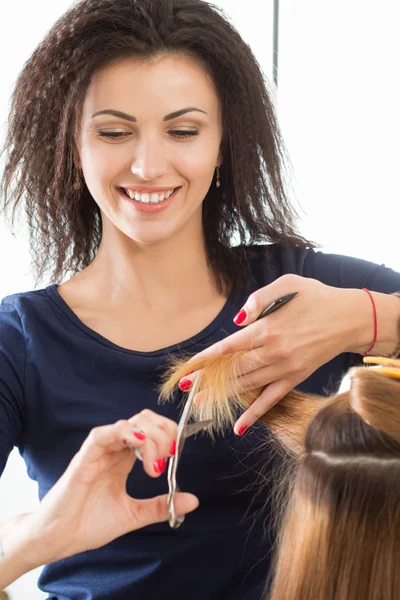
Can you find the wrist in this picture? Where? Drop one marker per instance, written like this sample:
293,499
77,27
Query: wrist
18,551
387,308
359,320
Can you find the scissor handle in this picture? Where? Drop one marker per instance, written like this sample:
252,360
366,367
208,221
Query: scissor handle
276,304
176,520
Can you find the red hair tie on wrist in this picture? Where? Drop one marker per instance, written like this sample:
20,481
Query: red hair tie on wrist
375,322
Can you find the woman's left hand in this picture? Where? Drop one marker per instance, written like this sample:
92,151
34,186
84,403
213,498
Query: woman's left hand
287,346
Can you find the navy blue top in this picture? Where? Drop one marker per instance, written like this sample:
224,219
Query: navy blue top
59,379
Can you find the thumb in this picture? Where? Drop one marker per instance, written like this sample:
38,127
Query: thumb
155,510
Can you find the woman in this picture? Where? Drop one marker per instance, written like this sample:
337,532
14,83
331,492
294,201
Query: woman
143,141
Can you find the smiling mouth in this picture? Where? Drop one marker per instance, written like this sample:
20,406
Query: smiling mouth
152,198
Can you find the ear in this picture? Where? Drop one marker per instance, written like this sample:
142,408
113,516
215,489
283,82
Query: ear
220,158
77,160
75,156
77,164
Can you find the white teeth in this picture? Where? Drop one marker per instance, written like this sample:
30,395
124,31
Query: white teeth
154,198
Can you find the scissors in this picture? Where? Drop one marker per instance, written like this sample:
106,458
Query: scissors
185,430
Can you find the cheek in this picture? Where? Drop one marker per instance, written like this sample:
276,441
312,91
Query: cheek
99,165
197,164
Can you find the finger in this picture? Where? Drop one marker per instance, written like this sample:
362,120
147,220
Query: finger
155,510
164,430
185,383
262,298
251,338
160,434
105,439
263,376
164,424
249,362
269,397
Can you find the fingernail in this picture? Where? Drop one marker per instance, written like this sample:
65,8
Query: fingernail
138,434
185,385
242,429
124,442
159,465
240,317
172,450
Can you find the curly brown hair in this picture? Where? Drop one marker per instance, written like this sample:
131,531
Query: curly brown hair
252,205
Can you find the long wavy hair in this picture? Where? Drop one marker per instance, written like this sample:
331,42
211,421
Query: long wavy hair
339,528
253,204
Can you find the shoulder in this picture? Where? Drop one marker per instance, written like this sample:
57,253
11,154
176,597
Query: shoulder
17,311
22,317
268,262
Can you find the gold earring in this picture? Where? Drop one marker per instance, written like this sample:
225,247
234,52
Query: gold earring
77,184
218,182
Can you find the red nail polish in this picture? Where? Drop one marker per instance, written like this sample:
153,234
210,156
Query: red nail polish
139,436
124,442
242,429
172,450
159,465
240,317
185,385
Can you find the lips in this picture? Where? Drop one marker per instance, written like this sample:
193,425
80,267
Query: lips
148,207
151,196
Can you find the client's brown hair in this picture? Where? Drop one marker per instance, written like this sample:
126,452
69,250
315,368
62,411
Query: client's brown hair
221,397
339,539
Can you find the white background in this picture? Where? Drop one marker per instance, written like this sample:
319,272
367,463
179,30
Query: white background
338,102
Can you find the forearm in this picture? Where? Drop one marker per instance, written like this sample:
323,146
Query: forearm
17,550
362,323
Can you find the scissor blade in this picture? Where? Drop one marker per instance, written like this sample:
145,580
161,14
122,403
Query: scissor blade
184,431
194,428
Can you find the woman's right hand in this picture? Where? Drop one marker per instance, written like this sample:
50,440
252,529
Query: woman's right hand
89,507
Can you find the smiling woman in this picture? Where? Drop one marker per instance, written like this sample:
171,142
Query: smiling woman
144,147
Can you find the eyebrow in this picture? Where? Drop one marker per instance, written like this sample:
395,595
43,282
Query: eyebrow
169,117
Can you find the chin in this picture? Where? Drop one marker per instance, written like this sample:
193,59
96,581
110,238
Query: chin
149,238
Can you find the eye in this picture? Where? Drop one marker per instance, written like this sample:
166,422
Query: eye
113,134
178,133
182,133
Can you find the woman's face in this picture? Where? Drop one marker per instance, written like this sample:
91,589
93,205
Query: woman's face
164,134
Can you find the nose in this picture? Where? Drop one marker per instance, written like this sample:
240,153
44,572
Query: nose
149,162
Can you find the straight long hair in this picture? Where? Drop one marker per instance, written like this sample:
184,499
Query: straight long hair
339,534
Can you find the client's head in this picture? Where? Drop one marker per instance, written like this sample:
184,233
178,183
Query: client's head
340,537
